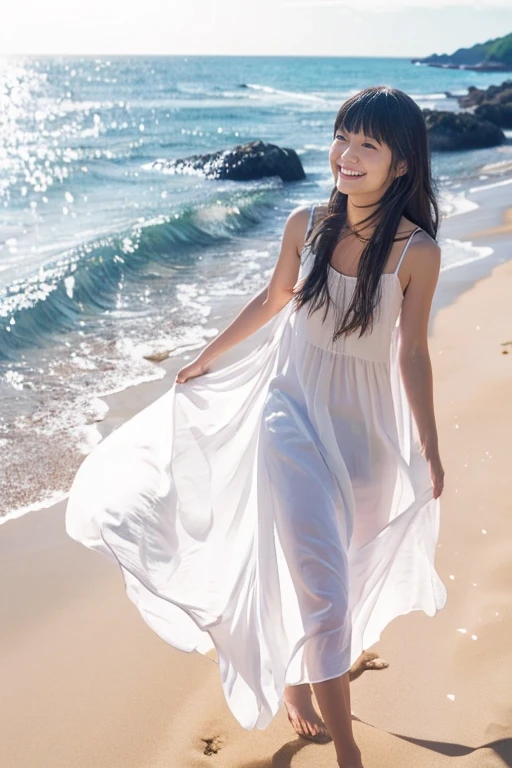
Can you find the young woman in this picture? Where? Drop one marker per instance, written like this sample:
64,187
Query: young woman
285,508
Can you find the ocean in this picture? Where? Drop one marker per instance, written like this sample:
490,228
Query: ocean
105,258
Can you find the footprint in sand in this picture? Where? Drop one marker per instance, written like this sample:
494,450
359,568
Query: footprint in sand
213,745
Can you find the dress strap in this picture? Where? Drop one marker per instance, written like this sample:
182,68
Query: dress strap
310,222
418,229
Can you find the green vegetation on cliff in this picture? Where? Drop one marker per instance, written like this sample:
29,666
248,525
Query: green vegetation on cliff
497,51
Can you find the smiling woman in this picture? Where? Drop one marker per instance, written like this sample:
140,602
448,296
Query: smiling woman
298,467
380,136
345,166
355,154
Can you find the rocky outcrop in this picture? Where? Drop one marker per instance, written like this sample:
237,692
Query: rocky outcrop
245,162
448,131
493,103
499,114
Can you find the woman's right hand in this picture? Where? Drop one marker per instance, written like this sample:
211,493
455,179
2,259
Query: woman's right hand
191,371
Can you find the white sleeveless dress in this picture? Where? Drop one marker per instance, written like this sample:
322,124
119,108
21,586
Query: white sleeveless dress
277,509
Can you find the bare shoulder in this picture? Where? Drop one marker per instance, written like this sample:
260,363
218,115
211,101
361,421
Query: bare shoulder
297,225
424,255
422,265
300,215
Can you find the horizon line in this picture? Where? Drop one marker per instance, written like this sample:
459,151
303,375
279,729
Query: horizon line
220,55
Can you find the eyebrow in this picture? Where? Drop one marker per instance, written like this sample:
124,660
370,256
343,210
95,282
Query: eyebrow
369,138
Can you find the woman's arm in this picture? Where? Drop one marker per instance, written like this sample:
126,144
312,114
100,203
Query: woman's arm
265,304
414,359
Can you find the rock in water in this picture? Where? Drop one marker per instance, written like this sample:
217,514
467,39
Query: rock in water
245,162
493,104
158,356
448,131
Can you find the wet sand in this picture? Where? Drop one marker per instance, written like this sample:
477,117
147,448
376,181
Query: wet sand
86,683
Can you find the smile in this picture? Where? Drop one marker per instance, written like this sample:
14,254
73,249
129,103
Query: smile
348,174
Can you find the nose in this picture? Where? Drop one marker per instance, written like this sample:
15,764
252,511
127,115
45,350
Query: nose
349,157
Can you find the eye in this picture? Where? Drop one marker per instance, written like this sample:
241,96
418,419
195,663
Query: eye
367,143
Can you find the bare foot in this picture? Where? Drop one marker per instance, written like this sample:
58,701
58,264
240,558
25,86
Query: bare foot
302,714
367,660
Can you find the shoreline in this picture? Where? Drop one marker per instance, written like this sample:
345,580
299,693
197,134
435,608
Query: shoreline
491,223
87,683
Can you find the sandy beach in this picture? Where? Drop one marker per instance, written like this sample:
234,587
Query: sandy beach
86,683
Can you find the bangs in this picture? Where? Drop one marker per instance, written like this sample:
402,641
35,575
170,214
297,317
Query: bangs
375,113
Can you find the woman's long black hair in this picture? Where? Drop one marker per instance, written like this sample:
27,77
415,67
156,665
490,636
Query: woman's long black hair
391,117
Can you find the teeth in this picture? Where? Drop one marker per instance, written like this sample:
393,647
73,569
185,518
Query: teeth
351,173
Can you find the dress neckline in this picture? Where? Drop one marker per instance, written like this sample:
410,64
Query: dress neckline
355,277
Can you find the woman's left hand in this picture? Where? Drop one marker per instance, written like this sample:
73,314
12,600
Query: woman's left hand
436,474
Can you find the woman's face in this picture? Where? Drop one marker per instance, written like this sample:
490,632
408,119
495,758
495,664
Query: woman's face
364,156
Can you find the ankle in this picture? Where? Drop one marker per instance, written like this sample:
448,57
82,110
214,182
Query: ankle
297,692
349,756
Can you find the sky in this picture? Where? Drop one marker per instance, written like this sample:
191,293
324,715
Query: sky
407,28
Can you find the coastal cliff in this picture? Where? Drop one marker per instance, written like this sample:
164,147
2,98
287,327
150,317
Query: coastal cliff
491,56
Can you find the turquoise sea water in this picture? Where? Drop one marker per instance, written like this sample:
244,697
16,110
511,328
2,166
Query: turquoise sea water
103,258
